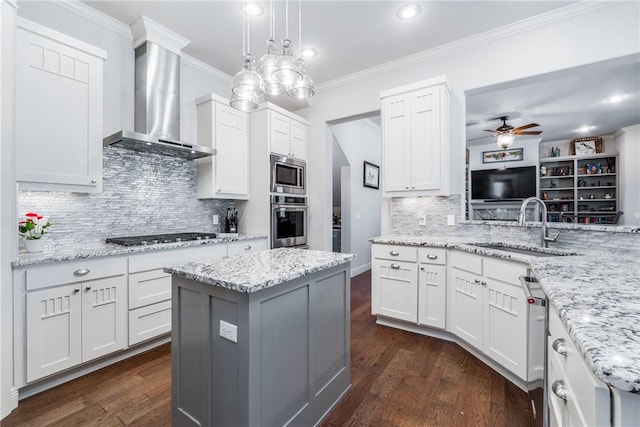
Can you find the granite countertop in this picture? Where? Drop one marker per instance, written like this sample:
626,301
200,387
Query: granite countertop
260,270
596,294
99,249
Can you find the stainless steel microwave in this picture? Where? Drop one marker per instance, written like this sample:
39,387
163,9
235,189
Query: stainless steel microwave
288,175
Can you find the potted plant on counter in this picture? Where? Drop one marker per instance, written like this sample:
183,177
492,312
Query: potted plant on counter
33,229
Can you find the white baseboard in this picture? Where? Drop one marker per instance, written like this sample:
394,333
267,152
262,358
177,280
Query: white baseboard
360,269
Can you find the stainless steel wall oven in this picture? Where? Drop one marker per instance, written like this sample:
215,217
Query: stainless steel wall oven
288,221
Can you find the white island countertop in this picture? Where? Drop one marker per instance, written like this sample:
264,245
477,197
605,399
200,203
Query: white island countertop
596,294
260,270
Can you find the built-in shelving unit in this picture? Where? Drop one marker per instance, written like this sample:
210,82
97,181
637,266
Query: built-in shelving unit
581,189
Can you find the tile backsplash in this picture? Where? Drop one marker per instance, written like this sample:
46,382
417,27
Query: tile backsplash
143,193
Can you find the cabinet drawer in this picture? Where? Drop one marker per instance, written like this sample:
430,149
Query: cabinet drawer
504,271
432,256
44,276
394,252
161,259
149,287
467,262
246,247
149,322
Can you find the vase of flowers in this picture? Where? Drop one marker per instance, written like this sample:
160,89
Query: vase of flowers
33,230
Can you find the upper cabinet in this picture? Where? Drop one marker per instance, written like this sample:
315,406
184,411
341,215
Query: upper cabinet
226,174
288,135
415,141
58,111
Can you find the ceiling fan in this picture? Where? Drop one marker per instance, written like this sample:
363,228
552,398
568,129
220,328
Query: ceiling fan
506,132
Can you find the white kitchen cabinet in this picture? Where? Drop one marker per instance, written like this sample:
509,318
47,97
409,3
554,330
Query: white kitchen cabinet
466,305
226,174
58,111
288,135
72,323
415,142
394,282
432,287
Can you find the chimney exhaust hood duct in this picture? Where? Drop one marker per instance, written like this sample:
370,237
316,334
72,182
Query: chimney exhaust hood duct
157,107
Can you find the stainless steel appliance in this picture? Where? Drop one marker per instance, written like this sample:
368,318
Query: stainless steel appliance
154,239
288,221
288,175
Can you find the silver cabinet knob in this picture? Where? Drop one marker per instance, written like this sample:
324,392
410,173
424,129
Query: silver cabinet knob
476,281
394,253
432,256
560,346
94,181
406,188
247,248
87,288
81,272
395,266
484,284
558,388
422,268
76,290
219,190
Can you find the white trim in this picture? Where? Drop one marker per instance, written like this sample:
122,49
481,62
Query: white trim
440,80
145,29
57,36
360,269
528,24
84,11
205,68
12,3
215,98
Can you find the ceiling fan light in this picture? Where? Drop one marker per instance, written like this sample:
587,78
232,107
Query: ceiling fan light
505,140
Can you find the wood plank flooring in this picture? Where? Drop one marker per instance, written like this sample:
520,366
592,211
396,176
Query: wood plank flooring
398,379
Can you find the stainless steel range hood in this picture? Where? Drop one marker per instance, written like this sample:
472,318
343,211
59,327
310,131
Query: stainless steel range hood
157,107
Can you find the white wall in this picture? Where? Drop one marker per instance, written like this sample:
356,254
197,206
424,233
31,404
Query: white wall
338,162
539,45
628,142
361,140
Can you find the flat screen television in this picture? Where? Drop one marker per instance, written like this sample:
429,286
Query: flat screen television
503,184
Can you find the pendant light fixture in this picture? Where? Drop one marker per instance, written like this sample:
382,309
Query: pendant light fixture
248,86
286,71
305,87
267,64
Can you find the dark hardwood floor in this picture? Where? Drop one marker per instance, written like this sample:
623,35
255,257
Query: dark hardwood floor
399,379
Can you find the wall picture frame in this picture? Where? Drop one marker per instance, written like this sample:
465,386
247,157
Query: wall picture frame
371,175
509,155
585,146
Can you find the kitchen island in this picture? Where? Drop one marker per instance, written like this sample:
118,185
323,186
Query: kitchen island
261,339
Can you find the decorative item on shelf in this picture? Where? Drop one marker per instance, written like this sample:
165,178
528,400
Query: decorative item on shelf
611,165
585,146
593,169
543,170
503,155
554,152
371,175
33,229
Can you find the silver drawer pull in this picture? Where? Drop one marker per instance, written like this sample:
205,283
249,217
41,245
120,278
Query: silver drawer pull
560,346
247,248
81,272
559,389
432,256
484,284
395,266
394,253
87,288
76,290
476,281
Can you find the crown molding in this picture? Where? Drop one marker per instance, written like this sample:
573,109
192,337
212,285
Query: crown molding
81,9
145,29
528,24
205,68
12,3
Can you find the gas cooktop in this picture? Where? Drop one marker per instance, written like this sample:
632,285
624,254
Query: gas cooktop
159,238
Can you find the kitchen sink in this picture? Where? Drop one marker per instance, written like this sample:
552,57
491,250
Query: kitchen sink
525,250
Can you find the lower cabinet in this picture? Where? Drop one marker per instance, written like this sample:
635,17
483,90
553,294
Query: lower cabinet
432,287
394,282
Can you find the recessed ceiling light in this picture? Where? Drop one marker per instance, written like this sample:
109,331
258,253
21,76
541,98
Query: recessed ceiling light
252,8
585,129
409,11
616,98
309,52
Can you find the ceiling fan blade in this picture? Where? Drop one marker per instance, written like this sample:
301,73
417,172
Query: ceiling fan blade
530,125
482,137
529,132
491,130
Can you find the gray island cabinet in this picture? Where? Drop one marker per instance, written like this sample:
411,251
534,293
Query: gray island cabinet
260,339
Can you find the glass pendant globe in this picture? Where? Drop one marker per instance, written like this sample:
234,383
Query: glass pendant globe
505,140
247,105
266,66
247,83
286,72
305,87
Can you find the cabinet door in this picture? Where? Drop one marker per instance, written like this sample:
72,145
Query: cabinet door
396,128
505,326
467,306
232,158
298,141
432,280
394,290
425,139
58,115
53,330
279,133
103,316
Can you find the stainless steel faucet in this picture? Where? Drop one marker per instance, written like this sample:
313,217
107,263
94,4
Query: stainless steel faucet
544,239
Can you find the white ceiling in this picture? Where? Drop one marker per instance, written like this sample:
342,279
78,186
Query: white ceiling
350,35
560,102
